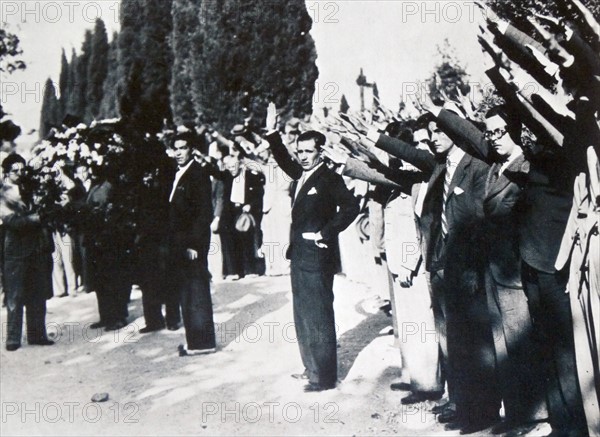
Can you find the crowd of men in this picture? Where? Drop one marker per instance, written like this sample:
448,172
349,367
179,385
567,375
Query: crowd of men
486,227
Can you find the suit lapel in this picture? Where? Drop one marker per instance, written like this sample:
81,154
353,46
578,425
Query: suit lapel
496,186
438,172
308,184
459,174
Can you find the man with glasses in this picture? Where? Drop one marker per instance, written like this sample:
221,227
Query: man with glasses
517,356
27,259
452,223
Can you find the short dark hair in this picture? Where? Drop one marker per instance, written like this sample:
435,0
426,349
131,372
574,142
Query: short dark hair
312,135
513,122
10,160
423,121
193,140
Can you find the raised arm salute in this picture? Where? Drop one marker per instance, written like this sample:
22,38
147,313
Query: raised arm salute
322,208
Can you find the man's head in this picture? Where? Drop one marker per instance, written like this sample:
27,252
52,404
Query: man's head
422,138
308,149
232,165
440,143
13,167
82,172
502,130
183,145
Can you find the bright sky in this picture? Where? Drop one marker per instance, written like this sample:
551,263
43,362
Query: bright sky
393,40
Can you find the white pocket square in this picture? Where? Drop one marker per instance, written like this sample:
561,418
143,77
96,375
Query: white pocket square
458,190
312,191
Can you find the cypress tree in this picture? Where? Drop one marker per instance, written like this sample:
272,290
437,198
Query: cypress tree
110,99
63,83
50,109
72,95
97,70
257,51
144,42
375,98
81,83
344,106
186,43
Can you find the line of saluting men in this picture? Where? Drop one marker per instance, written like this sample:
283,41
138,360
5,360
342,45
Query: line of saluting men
508,234
506,265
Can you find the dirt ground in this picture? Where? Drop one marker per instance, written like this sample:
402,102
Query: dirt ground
243,389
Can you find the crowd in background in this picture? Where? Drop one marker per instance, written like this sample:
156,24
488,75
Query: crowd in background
483,227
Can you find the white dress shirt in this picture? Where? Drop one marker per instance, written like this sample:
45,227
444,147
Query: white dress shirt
180,172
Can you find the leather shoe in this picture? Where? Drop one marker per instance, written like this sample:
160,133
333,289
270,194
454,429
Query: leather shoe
421,396
174,326
312,387
400,386
12,347
477,426
439,409
513,427
454,426
42,342
447,416
148,329
116,325
98,325
184,352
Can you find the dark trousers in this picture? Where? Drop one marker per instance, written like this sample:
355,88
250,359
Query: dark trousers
231,249
471,355
315,324
152,304
111,275
193,285
36,322
113,297
152,278
24,284
438,304
550,311
517,355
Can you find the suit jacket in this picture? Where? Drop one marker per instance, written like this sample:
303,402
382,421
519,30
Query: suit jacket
323,204
464,209
25,243
190,214
254,191
23,237
547,183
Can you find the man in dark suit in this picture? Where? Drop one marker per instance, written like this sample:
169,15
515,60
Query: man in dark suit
190,216
519,363
27,260
322,208
452,227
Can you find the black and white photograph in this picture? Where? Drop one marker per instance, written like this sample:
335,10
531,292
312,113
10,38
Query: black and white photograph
300,218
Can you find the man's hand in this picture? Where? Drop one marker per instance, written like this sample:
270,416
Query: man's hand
272,118
214,226
246,208
425,104
191,254
319,241
406,280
